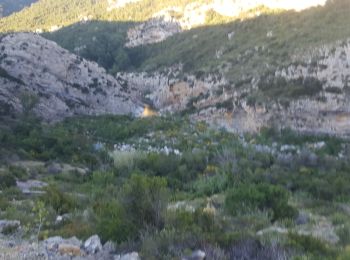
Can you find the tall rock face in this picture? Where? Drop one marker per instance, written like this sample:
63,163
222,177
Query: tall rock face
312,94
37,74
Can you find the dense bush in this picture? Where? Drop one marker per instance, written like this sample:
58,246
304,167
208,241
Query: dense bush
112,222
144,199
7,180
58,200
4,203
248,197
209,185
311,245
18,172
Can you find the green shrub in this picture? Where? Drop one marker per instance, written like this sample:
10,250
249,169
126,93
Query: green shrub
59,201
126,161
18,172
309,244
168,243
145,199
102,178
199,220
4,203
112,223
345,255
343,233
247,197
7,180
209,185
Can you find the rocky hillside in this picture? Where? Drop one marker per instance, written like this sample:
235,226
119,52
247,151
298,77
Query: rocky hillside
37,74
265,68
310,95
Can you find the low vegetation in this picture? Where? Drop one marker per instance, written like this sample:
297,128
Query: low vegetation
208,189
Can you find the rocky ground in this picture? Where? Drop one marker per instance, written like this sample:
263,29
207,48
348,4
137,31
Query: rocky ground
57,248
14,248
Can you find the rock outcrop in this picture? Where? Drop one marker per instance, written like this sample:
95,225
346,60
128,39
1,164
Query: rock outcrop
36,74
58,248
317,96
113,4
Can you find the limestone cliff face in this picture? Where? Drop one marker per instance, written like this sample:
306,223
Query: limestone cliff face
212,98
61,83
316,83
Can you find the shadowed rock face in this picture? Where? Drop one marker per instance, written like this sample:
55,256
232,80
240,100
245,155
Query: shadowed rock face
39,75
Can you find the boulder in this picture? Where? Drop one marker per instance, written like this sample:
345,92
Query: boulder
54,168
129,256
93,244
109,247
52,244
302,219
69,249
196,255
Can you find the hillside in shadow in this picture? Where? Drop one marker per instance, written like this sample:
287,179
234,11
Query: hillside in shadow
99,41
7,7
265,39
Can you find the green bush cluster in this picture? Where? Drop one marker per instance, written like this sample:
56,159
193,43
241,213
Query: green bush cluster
112,222
4,203
248,197
140,204
7,180
61,202
310,245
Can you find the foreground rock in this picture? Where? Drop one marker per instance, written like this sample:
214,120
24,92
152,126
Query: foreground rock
93,245
196,255
58,248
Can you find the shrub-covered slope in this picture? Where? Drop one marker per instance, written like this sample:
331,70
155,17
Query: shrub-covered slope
165,187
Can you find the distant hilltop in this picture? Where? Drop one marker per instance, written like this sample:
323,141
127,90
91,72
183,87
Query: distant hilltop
235,7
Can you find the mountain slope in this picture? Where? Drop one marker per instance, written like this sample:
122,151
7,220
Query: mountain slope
37,74
271,67
40,16
243,75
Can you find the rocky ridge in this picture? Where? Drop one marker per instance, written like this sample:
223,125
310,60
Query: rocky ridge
320,106
175,19
37,74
